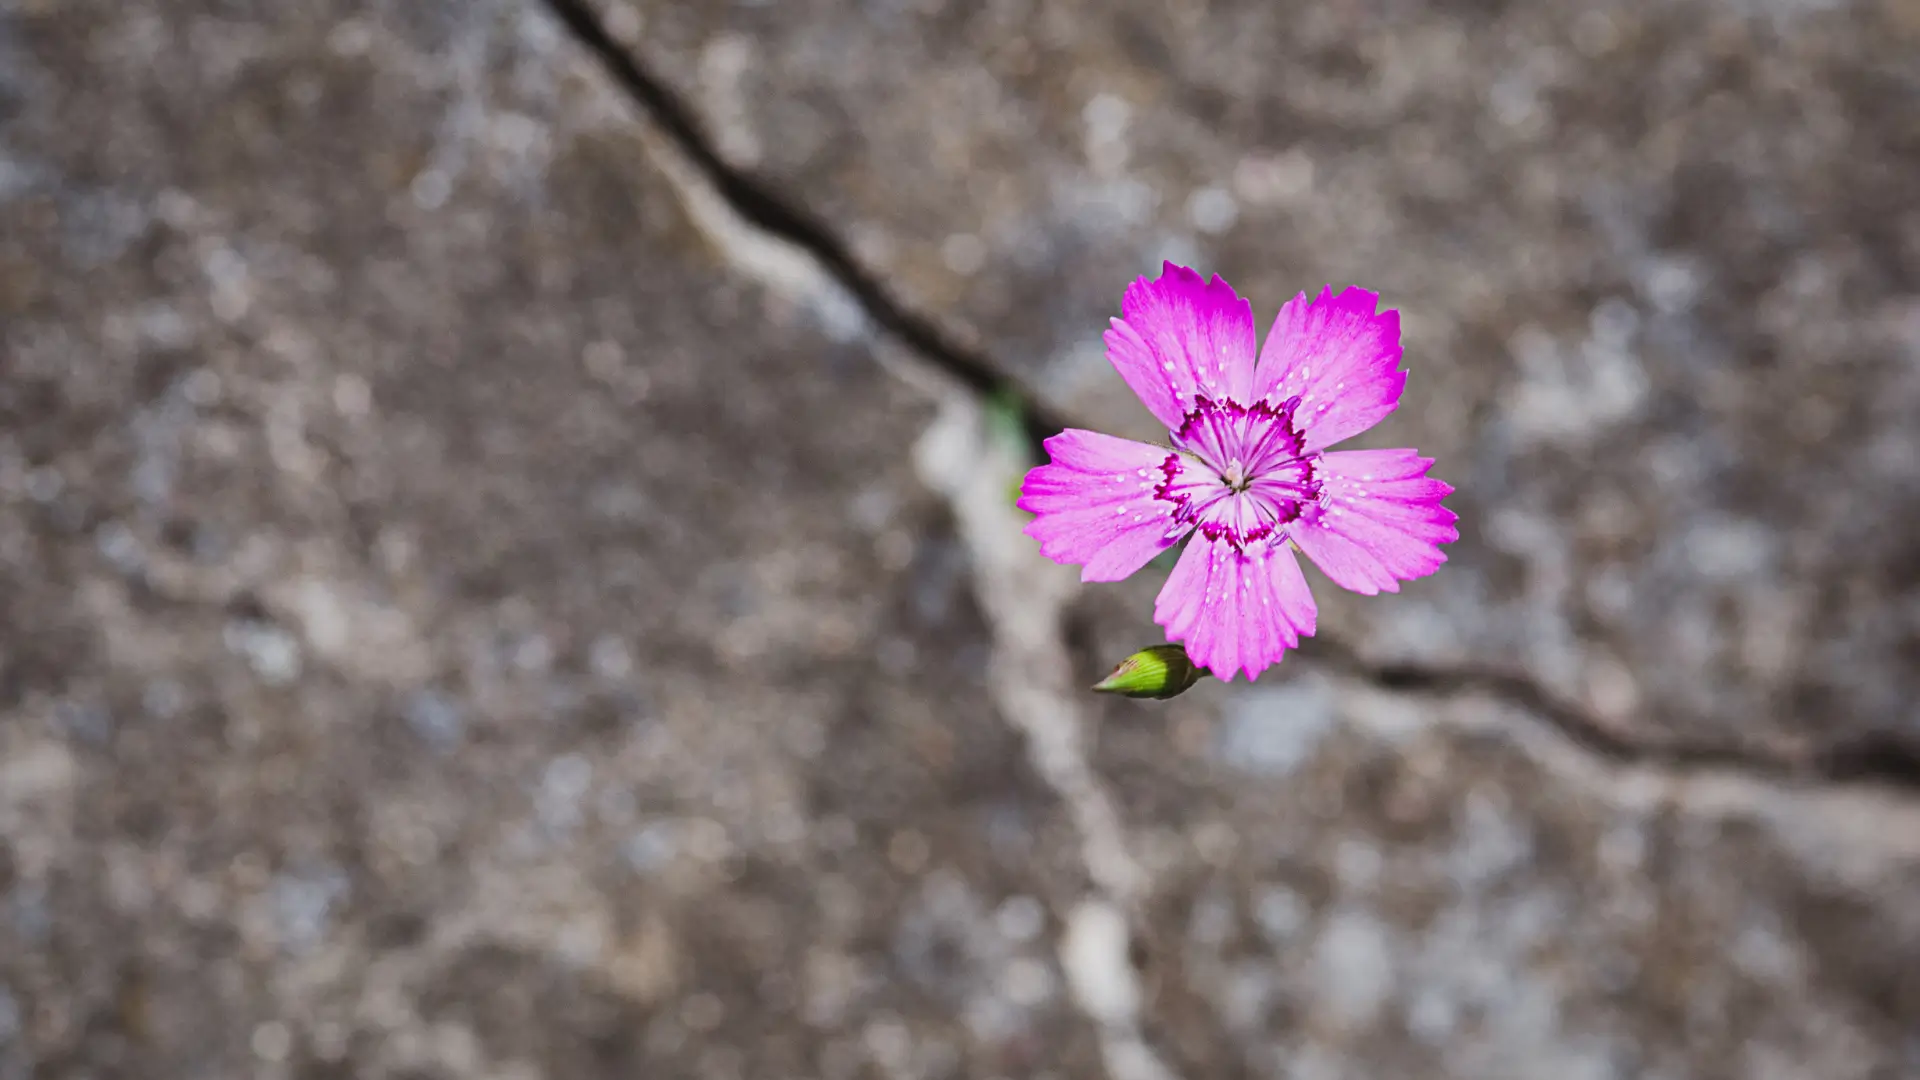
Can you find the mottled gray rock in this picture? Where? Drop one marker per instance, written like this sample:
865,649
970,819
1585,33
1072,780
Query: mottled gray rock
471,609
454,625
1427,889
1659,267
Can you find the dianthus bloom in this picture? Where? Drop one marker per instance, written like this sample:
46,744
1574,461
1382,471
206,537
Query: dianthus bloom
1247,471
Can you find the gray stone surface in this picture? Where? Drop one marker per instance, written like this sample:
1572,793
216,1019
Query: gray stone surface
1659,267
474,607
1395,889
455,626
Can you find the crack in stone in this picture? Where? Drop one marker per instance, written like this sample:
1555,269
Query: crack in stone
779,217
1886,760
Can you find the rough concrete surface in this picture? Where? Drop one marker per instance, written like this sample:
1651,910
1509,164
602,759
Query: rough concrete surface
507,571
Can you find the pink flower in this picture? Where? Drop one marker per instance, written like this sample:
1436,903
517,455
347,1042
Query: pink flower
1248,472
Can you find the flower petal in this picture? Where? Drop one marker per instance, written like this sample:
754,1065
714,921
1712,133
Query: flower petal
1235,610
1194,490
1340,358
1095,506
1378,521
1180,337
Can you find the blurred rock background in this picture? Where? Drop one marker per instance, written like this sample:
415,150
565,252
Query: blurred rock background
508,570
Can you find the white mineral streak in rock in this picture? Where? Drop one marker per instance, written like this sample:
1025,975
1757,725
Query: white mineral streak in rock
789,271
1023,595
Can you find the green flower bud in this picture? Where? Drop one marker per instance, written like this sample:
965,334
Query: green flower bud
1159,672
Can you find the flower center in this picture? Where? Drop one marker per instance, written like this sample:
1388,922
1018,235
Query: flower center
1237,473
1235,476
